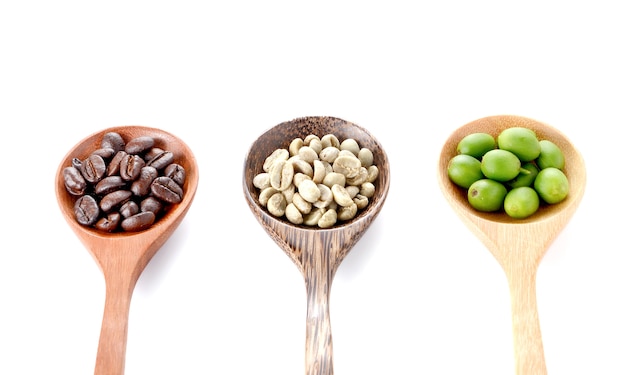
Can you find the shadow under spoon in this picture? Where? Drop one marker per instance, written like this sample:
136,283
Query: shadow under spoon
316,252
122,257
518,245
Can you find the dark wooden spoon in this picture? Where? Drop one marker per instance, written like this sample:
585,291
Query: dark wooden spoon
316,252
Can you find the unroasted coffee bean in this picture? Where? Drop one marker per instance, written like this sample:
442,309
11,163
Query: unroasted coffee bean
317,181
138,222
125,186
86,210
74,181
167,190
114,199
93,168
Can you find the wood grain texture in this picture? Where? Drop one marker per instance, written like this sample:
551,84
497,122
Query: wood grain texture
316,252
122,257
518,245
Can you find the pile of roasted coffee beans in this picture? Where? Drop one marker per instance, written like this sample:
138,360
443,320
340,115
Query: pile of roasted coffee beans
317,181
124,186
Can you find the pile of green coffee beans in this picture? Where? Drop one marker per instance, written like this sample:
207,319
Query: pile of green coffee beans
515,172
317,181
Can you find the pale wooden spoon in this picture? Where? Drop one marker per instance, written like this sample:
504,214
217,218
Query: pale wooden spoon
122,257
316,252
518,245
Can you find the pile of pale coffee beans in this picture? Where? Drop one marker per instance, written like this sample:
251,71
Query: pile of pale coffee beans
124,186
317,182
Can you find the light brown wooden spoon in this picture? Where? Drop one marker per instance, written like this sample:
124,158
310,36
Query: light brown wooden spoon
518,245
316,252
122,257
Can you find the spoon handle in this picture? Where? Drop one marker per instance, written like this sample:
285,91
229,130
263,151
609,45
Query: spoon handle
111,356
528,345
318,276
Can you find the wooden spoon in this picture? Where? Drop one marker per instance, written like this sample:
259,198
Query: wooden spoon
122,257
316,252
518,245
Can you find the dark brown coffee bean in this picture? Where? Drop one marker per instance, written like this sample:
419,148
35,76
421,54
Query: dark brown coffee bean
93,168
77,163
141,186
162,160
106,182
106,153
86,210
152,153
139,145
75,184
109,223
176,172
113,140
114,165
109,184
151,204
130,167
129,209
138,222
114,199
167,190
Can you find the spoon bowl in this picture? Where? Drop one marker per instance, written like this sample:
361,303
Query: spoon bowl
518,244
316,252
123,256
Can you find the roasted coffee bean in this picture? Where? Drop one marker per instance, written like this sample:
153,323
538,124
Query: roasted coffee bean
129,209
77,163
124,186
138,222
113,140
151,204
152,153
114,199
167,190
139,145
93,168
109,223
141,186
162,160
114,166
86,210
105,153
130,167
74,181
176,172
109,184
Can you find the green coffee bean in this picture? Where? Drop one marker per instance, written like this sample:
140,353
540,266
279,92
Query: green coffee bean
317,181
476,144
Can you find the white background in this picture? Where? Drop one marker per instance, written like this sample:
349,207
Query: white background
419,294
